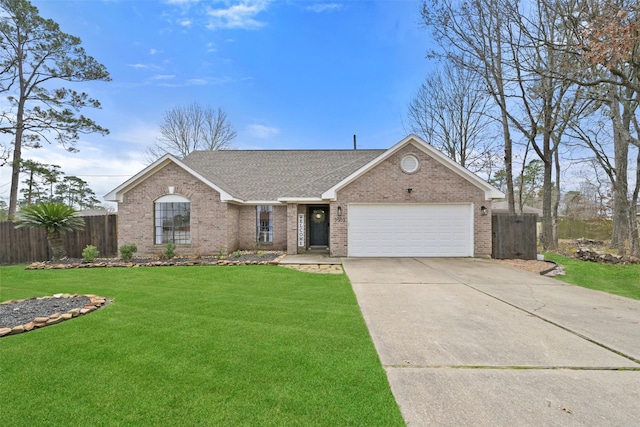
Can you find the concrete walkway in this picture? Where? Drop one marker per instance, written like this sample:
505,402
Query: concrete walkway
474,342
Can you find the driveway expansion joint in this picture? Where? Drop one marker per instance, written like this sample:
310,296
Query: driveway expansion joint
516,367
564,328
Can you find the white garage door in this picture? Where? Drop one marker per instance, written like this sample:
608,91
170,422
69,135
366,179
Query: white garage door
410,230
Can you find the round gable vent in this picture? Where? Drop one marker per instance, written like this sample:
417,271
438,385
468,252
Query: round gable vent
409,163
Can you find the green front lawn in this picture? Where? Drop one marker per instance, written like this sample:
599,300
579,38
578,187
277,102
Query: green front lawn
621,280
219,346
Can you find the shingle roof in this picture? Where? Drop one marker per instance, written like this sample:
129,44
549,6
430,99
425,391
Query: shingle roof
272,174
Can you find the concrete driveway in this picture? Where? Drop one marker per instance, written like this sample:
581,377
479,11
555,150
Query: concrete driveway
473,342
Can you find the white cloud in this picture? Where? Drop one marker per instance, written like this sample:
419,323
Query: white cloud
195,82
191,82
139,134
324,7
262,132
140,66
185,22
181,2
101,167
220,80
240,15
154,51
163,77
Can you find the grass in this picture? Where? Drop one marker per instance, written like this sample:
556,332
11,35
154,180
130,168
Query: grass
623,280
196,346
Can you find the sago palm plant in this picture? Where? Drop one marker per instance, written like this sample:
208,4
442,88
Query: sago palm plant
56,218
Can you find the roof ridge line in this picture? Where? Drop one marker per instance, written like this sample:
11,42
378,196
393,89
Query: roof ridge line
329,173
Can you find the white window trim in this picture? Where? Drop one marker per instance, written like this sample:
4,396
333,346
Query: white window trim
262,235
172,198
169,198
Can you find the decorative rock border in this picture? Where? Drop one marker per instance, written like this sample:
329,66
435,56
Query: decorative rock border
48,265
39,322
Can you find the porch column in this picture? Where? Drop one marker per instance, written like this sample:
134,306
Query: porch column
292,228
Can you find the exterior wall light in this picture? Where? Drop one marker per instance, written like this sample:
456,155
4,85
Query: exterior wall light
483,210
339,211
409,190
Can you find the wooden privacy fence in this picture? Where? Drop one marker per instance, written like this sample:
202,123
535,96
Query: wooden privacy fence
514,236
22,245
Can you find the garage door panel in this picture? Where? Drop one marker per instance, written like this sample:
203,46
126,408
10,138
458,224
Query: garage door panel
410,230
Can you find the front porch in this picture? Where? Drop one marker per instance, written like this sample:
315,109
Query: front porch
308,229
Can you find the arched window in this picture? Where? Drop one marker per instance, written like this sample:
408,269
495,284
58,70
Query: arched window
172,220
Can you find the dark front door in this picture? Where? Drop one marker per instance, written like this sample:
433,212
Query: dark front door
318,225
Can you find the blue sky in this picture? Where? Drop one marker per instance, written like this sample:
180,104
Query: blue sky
289,74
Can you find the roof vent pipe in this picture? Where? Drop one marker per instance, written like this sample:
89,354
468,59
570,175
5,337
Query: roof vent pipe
354,141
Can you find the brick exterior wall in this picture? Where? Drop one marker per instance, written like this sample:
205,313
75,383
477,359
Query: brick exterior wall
222,226
209,225
432,183
292,228
233,227
247,229
279,228
215,225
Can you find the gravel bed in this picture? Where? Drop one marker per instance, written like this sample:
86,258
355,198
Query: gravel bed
20,313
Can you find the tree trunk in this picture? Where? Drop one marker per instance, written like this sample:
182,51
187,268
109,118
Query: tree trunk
15,177
620,125
548,241
548,231
556,198
17,143
508,164
56,245
633,214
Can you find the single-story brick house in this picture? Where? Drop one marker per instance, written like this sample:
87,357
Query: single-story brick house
409,200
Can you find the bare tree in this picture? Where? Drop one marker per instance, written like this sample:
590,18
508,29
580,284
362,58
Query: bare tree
604,36
475,35
510,47
451,112
188,128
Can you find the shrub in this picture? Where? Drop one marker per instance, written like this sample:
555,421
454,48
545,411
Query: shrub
169,250
90,253
237,254
127,251
56,218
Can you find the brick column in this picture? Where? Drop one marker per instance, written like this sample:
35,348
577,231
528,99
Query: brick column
292,228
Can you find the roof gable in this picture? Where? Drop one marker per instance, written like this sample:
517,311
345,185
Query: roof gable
490,191
116,195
